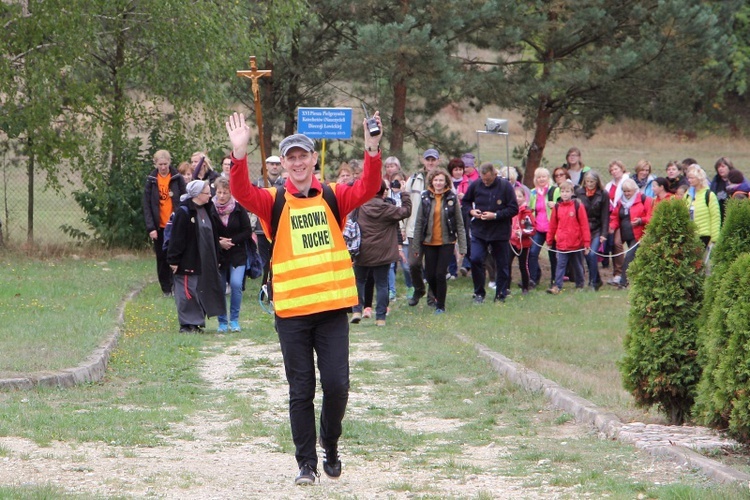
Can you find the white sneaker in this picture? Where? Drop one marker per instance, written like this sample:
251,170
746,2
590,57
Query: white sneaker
492,285
614,281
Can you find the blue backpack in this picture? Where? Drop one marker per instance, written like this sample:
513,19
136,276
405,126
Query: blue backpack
168,229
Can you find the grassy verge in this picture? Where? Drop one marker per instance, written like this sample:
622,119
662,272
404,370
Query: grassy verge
54,312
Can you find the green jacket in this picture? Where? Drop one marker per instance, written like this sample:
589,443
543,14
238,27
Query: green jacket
706,215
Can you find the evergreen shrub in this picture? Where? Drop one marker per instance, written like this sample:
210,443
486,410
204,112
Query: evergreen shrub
711,403
660,364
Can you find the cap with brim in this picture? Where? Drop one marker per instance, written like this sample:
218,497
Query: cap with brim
273,159
296,141
468,159
431,153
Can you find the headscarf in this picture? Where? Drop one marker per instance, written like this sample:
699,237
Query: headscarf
193,189
224,210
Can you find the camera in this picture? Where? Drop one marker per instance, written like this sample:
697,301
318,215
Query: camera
395,184
372,124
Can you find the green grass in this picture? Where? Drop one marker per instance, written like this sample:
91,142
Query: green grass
445,398
54,312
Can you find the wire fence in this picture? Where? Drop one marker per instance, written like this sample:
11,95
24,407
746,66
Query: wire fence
40,220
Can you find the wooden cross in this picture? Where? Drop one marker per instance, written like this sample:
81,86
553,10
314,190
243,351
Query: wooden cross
255,74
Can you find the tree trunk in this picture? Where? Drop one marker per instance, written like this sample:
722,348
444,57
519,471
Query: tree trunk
398,116
543,126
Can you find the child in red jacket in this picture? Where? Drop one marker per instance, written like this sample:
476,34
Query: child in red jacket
520,238
569,229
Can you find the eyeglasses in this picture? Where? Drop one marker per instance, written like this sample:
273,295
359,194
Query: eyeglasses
560,175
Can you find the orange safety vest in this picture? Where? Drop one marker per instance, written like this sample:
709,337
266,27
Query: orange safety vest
312,268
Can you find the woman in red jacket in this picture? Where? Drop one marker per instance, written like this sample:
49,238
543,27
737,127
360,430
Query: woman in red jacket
520,238
569,230
631,215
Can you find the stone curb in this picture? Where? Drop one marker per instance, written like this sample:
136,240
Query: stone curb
607,423
90,370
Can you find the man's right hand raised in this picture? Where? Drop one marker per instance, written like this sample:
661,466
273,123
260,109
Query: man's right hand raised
239,135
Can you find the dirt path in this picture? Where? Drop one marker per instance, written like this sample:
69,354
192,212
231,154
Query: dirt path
202,462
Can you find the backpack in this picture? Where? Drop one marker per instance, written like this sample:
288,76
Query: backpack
168,229
352,233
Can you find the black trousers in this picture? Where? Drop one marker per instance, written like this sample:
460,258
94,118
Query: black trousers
325,334
163,270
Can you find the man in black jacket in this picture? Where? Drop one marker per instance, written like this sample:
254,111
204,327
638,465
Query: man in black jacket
493,206
161,196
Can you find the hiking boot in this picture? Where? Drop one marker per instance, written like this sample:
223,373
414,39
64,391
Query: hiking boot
431,300
234,326
379,322
307,475
223,328
356,317
554,290
331,462
414,300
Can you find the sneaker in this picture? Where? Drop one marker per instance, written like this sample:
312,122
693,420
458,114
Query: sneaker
614,281
331,462
392,295
379,322
367,313
431,300
554,290
356,317
524,291
478,299
598,285
410,292
186,329
463,272
223,328
414,300
622,286
307,475
439,311
234,326
167,295
492,285
499,299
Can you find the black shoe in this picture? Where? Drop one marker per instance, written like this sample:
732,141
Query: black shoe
331,463
478,299
500,299
414,300
307,475
431,300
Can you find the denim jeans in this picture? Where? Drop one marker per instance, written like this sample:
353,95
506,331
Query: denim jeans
235,276
405,265
380,275
535,271
576,259
592,260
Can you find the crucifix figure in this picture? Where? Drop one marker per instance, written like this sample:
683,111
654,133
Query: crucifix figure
255,74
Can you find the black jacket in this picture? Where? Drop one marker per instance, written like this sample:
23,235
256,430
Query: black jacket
597,210
183,244
500,198
239,229
151,197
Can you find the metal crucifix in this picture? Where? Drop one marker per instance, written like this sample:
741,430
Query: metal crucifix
255,74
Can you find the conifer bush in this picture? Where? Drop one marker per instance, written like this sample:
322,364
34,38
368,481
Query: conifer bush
711,403
726,401
660,365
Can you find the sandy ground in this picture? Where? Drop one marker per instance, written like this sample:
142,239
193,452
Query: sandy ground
210,465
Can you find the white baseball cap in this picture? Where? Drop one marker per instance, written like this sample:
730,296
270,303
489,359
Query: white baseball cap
273,159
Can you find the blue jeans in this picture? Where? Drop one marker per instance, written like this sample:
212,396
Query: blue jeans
392,279
592,260
405,265
380,275
535,272
235,276
576,259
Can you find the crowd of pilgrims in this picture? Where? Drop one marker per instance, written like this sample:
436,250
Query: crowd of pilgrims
437,224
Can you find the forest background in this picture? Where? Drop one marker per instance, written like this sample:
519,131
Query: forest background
91,88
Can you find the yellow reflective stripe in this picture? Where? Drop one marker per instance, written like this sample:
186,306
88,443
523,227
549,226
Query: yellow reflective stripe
313,260
331,277
318,298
